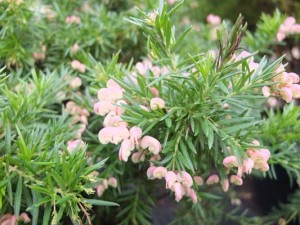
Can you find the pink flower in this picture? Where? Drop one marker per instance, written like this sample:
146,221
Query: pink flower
103,107
287,94
230,161
151,143
242,55
112,181
113,84
295,88
135,134
75,48
8,219
179,192
112,120
159,172
225,185
75,82
213,19
236,180
111,94
248,164
170,179
154,91
255,142
260,159
105,135
294,77
138,157
266,91
105,183
100,190
25,218
72,145
186,179
76,65
120,133
150,172
157,103
125,150
212,179
198,180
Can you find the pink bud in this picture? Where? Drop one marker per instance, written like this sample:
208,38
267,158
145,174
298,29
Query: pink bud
255,142
159,172
193,196
179,192
154,91
266,91
198,180
236,180
75,48
100,190
289,21
151,143
157,103
225,185
75,82
212,179
170,179
24,217
150,172
72,145
112,181
230,161
125,150
105,183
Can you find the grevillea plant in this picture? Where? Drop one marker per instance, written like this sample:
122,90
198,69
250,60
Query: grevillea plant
155,109
192,119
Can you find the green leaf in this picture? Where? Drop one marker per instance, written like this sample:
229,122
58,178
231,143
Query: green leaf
101,202
18,197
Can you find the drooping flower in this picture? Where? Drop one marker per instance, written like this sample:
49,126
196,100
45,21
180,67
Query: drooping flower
225,185
170,179
125,150
248,164
186,179
198,180
157,103
100,190
212,179
179,192
159,172
72,145
150,171
135,134
151,144
230,161
112,181
236,180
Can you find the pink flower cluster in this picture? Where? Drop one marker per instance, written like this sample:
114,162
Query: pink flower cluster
72,19
258,159
179,182
112,181
288,27
117,131
286,85
9,219
145,65
80,115
76,65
